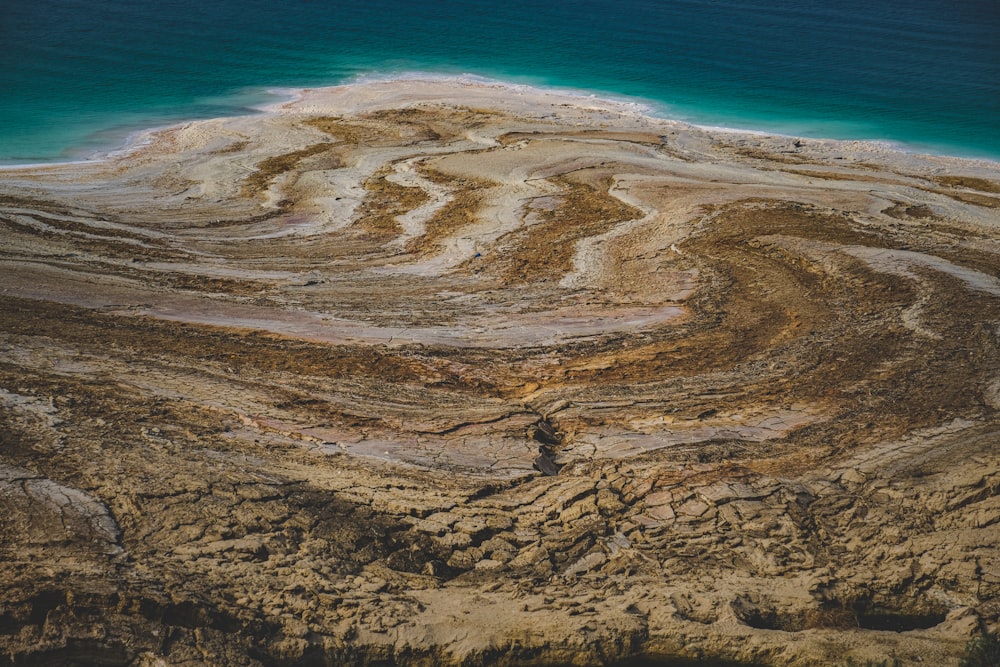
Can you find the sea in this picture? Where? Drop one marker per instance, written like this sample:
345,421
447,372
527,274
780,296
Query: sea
78,77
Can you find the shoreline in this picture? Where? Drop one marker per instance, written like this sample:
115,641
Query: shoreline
458,374
652,109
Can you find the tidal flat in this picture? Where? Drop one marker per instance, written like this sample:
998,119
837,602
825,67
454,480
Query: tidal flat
447,373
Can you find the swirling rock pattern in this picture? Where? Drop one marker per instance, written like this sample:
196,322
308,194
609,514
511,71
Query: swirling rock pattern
429,373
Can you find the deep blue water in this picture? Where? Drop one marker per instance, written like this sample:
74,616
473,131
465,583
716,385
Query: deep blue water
77,75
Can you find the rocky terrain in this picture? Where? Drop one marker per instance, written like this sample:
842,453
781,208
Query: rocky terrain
428,373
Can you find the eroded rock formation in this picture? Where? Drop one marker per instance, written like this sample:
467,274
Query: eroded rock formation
427,373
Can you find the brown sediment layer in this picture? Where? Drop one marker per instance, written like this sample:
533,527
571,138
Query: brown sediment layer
458,212
428,373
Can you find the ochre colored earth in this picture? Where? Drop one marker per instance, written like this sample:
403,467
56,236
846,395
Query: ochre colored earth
421,373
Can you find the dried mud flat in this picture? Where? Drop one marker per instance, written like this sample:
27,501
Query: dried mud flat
427,373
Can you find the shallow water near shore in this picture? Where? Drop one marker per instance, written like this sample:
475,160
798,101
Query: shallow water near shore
78,75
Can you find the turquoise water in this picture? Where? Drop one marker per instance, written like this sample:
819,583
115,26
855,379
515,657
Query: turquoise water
79,75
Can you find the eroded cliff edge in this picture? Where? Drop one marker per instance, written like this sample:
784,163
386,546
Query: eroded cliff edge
429,373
